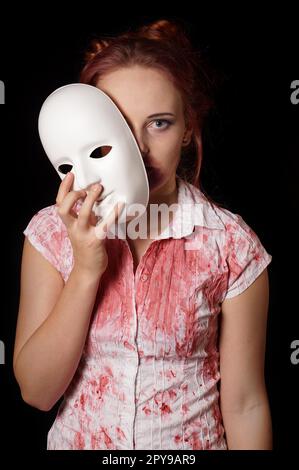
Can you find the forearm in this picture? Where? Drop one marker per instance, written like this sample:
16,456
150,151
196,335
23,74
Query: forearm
48,360
249,428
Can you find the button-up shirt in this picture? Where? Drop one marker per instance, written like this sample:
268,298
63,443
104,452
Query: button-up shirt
149,373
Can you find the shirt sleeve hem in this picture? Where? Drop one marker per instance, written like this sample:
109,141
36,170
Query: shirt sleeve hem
237,290
40,248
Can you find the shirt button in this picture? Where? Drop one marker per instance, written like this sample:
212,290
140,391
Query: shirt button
144,277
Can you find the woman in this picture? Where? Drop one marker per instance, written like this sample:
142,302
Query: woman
137,333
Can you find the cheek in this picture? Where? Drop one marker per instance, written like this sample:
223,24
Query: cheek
167,152
162,161
171,156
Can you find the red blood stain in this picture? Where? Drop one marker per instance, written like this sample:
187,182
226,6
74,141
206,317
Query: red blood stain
210,363
120,434
185,409
214,290
189,343
82,401
158,397
107,439
146,410
79,441
195,441
218,420
94,441
170,374
229,227
109,371
104,381
210,370
165,409
129,346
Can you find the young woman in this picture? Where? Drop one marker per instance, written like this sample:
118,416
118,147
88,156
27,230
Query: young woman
136,334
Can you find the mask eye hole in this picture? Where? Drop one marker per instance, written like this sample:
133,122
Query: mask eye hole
100,152
65,168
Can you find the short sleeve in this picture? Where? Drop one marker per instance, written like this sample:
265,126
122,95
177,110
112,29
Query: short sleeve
247,257
44,231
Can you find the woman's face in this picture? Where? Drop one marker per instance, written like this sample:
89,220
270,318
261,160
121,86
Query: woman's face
153,109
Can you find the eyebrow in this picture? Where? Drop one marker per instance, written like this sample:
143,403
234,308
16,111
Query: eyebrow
160,114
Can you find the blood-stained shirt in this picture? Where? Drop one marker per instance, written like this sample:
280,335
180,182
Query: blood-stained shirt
149,374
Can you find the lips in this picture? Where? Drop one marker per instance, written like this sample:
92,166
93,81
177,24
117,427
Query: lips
149,168
155,176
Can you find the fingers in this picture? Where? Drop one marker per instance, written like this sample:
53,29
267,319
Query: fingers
102,228
65,210
66,199
64,187
85,211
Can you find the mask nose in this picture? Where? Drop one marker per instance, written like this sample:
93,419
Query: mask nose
81,180
82,183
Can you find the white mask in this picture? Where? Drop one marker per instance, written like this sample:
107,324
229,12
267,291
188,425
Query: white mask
74,122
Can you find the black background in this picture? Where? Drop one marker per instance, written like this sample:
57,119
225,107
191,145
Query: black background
250,164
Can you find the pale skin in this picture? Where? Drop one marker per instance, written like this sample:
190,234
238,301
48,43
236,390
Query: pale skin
54,316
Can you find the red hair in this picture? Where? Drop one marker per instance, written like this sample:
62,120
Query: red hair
163,45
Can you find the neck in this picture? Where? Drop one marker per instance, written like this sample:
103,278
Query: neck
167,194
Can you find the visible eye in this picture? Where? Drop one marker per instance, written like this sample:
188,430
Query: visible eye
161,121
65,168
100,152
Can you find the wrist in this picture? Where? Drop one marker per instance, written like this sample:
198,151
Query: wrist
86,275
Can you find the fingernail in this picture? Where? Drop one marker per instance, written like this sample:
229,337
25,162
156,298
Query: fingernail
95,187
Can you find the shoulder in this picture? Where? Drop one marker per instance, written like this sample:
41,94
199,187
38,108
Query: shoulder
213,216
233,223
48,234
227,245
45,230
222,228
46,219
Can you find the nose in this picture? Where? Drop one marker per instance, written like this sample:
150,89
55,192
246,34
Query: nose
141,141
